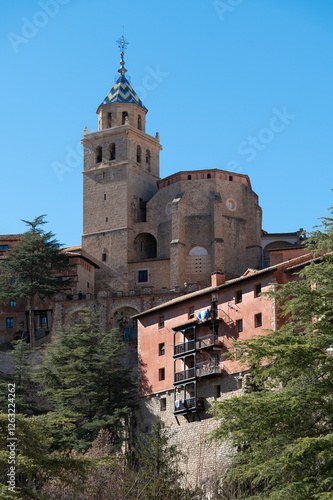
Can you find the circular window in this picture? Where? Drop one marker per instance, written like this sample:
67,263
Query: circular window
231,204
168,209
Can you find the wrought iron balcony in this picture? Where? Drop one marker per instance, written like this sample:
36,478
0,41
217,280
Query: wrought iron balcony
184,375
184,347
207,369
207,342
188,405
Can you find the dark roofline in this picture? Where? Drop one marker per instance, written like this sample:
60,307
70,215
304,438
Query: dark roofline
10,237
278,234
205,170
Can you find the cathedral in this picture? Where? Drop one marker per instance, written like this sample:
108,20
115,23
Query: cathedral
145,239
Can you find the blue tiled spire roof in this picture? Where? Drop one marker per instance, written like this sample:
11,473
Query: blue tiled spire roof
122,91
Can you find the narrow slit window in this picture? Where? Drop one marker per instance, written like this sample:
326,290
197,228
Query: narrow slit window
138,154
99,155
112,151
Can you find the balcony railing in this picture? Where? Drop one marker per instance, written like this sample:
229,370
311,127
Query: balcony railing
184,347
184,375
184,405
207,341
206,369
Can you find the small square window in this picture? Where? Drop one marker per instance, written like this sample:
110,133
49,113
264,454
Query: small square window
191,312
161,322
239,325
9,322
257,290
143,276
258,320
12,303
161,374
238,297
163,404
161,349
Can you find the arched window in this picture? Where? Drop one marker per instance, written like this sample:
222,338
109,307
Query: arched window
109,120
98,154
198,262
138,154
148,159
139,122
112,151
124,116
145,245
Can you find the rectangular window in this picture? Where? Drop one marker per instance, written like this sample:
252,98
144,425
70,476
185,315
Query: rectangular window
12,303
9,322
103,257
88,284
257,290
161,349
258,320
161,374
191,312
161,322
238,297
44,320
163,404
3,247
217,391
143,276
239,325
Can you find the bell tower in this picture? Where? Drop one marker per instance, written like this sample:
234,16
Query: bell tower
121,169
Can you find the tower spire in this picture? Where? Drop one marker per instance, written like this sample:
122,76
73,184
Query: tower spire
122,45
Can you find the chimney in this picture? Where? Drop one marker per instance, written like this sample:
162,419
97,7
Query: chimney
217,278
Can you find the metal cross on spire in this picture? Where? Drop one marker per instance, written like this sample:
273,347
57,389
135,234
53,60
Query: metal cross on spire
122,45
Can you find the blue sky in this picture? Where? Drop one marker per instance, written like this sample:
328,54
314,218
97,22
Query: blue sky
241,85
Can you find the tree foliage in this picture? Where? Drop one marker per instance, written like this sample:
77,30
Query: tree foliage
34,457
151,473
283,430
86,380
33,269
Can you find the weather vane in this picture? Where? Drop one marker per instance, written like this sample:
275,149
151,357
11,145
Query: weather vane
122,45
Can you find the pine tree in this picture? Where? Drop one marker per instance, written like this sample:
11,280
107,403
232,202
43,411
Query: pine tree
283,430
33,269
27,401
86,380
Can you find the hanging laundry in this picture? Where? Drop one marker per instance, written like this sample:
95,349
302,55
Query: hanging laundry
203,315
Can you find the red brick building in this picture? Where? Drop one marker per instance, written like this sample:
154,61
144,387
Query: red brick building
184,343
